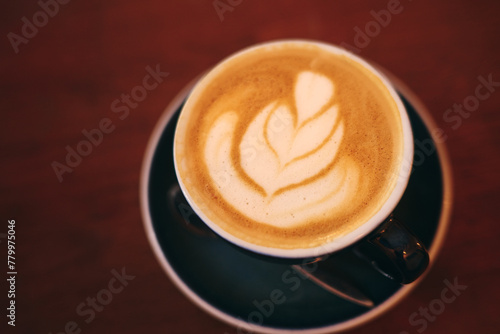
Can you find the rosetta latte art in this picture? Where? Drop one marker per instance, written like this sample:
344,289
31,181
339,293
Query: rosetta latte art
287,170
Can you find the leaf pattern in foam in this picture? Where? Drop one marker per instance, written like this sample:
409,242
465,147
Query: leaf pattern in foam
262,165
313,134
312,92
311,165
292,153
292,142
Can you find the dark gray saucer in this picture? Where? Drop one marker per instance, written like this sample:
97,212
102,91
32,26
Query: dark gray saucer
253,294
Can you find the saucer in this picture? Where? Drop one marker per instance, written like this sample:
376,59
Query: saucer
254,295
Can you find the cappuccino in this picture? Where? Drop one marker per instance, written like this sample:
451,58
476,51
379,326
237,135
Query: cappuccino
288,145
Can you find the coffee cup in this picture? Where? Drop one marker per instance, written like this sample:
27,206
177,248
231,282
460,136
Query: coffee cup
294,150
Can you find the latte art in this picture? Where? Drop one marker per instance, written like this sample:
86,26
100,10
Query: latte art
295,175
288,146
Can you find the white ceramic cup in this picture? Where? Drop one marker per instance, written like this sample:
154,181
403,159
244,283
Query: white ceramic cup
356,235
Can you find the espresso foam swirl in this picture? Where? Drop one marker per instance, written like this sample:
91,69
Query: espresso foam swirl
295,175
288,146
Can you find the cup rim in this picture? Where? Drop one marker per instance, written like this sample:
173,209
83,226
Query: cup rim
403,174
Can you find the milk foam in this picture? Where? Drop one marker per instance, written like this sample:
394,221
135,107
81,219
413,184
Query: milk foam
294,176
288,146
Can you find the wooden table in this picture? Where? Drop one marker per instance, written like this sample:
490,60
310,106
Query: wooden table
78,223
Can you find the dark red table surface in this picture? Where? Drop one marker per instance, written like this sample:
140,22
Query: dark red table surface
62,77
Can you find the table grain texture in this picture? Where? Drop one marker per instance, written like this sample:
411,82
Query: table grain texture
62,73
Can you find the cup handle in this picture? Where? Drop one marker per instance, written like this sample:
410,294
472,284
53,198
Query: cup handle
394,251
